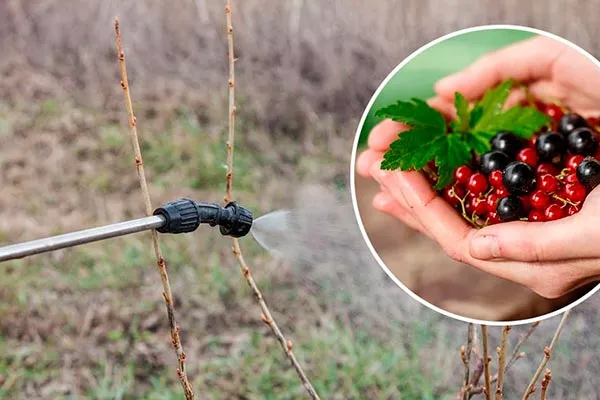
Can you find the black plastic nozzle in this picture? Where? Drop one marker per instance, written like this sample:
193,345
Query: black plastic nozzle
185,215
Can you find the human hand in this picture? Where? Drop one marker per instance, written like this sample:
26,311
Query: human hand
551,258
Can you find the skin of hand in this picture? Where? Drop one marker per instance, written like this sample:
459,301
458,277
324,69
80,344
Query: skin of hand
551,258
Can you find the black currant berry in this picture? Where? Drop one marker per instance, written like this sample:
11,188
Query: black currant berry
550,145
582,141
507,143
569,122
510,208
493,160
518,178
588,172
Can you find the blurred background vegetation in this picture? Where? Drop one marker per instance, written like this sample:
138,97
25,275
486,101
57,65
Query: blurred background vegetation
417,77
90,322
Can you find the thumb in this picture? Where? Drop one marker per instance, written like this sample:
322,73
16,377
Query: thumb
529,60
569,238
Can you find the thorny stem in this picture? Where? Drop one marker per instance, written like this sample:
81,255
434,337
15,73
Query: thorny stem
502,361
486,362
547,353
545,383
237,251
160,260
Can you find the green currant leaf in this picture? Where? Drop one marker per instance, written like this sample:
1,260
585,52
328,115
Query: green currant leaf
450,154
462,113
412,149
522,121
415,113
492,103
479,143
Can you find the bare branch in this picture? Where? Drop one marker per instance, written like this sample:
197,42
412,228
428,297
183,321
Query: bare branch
160,260
265,313
486,363
516,354
466,359
545,384
501,361
547,353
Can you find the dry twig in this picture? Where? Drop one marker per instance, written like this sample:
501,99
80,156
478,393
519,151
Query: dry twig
465,355
502,361
547,353
486,362
545,383
516,354
266,314
160,260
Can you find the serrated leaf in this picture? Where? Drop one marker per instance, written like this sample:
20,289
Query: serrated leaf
462,112
522,121
479,143
492,103
454,153
410,149
475,116
415,113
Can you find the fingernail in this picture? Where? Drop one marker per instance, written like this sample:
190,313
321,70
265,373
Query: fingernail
485,247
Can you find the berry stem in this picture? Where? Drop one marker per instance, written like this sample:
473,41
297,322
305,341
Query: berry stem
565,201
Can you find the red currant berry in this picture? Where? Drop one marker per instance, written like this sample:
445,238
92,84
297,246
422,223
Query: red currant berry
462,174
492,201
526,203
477,183
571,178
574,161
554,112
547,183
553,212
572,210
540,105
478,206
546,168
493,218
528,156
450,197
536,216
531,142
575,192
593,121
539,199
495,178
502,192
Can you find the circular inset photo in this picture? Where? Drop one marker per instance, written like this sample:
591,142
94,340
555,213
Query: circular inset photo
474,172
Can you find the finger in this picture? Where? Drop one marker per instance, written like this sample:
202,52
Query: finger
567,238
551,279
548,91
446,226
525,61
366,160
385,133
385,202
443,105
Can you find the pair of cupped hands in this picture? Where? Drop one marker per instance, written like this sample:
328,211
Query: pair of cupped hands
551,258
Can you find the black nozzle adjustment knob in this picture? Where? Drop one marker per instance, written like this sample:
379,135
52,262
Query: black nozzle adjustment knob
181,216
237,222
185,215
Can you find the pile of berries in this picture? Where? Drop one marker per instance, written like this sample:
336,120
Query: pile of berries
543,179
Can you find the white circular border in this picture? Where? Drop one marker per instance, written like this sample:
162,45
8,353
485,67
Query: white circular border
353,166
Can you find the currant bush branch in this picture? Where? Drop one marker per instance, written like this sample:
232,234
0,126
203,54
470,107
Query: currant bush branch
502,362
547,354
160,260
237,251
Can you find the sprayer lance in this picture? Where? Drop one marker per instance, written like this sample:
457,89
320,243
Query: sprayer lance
179,216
